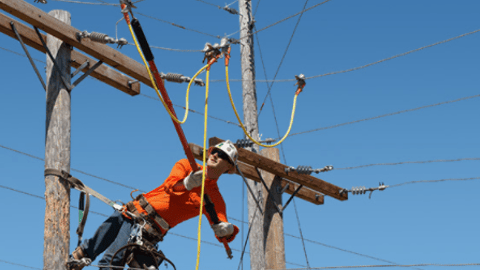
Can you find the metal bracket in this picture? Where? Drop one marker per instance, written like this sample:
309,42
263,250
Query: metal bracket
80,68
291,197
79,80
28,55
268,190
55,65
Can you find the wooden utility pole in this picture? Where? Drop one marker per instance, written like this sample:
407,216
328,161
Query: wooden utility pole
257,256
273,220
57,153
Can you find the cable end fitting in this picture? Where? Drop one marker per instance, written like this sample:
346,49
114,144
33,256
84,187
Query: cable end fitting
300,82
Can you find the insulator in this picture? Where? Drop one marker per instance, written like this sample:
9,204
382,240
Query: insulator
359,190
242,143
304,170
174,77
231,10
99,37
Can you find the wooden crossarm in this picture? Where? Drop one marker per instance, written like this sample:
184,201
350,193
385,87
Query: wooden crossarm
278,169
250,173
103,73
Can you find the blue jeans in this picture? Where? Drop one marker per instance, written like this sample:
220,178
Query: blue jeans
110,236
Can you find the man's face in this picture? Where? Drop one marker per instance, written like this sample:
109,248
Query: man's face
217,163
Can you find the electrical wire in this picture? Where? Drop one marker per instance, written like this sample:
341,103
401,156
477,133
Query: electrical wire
17,264
43,198
75,170
271,100
372,266
86,3
385,115
289,17
301,234
341,249
407,162
256,8
200,113
364,66
283,58
173,50
434,181
226,8
23,55
243,127
179,26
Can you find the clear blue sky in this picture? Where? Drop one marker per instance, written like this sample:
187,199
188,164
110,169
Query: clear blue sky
131,140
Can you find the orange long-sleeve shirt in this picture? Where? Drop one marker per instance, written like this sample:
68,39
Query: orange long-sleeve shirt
178,206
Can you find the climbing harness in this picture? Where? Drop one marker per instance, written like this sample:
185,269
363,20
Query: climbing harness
150,220
300,82
139,246
146,233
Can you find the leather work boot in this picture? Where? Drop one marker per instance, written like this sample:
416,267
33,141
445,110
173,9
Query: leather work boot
78,260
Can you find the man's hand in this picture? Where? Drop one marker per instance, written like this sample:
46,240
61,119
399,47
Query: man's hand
193,180
223,229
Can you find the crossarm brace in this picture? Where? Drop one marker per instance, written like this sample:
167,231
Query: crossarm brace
28,55
268,191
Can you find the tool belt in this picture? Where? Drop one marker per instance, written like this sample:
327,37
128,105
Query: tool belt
156,227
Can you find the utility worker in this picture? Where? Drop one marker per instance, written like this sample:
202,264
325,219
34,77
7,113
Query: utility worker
176,200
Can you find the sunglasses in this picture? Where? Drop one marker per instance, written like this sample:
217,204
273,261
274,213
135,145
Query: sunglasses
221,155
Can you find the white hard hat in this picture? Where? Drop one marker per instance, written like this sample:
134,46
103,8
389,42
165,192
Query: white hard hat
228,148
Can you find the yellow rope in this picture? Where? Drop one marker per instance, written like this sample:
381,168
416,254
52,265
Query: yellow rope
243,127
152,80
203,173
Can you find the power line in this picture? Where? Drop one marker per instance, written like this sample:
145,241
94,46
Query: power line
406,162
283,58
227,8
148,16
94,176
385,115
86,3
174,50
344,250
213,117
17,264
434,181
20,54
395,56
370,266
364,66
179,26
289,17
42,198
